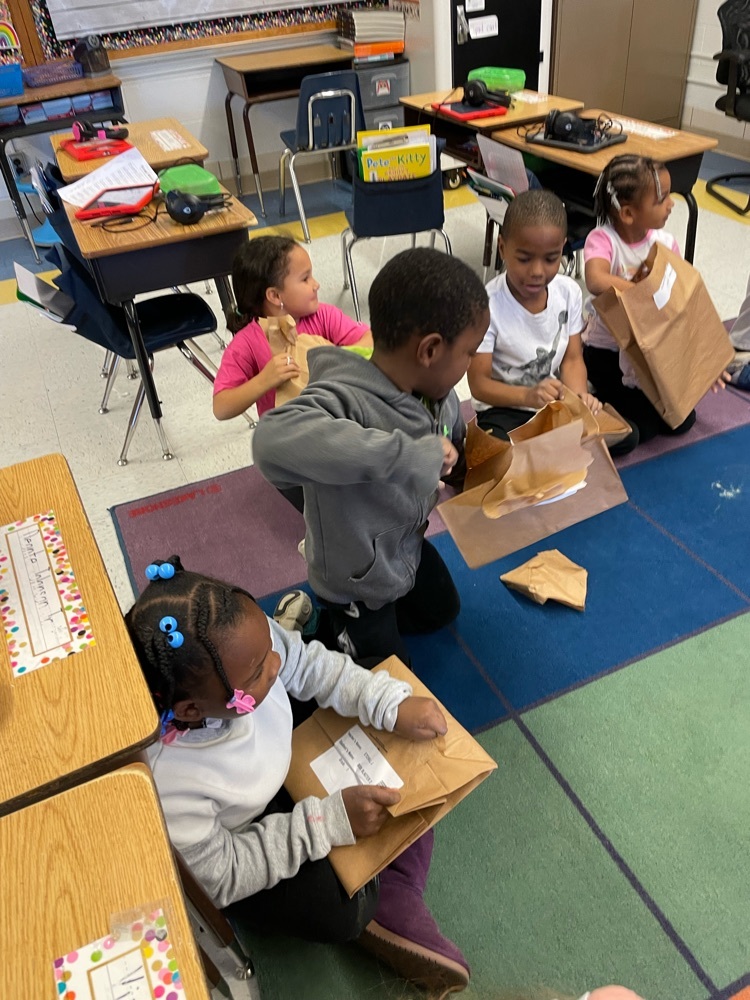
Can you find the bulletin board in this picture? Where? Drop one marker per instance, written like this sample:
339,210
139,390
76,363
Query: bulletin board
260,18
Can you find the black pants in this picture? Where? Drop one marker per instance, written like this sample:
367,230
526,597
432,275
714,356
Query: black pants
498,420
603,369
432,603
311,905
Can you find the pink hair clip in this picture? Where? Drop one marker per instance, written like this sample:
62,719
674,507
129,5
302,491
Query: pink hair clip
242,703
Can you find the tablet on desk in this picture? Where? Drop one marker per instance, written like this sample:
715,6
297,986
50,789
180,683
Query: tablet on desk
466,113
118,201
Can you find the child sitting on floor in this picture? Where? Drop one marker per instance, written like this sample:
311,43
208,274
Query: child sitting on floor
369,441
632,203
219,671
272,276
532,349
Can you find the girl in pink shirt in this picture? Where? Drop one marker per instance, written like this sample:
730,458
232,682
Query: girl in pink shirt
272,276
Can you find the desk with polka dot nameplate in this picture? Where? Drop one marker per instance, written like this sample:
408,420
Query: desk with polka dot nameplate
84,708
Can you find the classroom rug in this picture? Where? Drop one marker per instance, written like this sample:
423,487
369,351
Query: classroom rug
610,844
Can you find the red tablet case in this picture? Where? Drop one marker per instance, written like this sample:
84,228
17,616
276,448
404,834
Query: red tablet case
465,113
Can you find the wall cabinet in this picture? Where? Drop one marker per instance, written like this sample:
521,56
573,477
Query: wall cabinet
628,56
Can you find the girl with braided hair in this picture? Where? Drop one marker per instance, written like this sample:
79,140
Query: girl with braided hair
632,202
219,671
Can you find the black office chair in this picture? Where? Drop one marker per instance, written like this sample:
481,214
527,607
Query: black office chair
392,208
329,115
166,321
733,72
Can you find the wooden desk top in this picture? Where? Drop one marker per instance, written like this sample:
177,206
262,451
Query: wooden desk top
303,55
140,135
73,861
674,145
83,85
98,242
59,722
533,108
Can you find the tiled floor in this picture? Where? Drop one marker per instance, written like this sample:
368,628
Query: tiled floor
51,386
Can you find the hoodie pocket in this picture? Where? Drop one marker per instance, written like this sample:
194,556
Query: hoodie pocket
388,558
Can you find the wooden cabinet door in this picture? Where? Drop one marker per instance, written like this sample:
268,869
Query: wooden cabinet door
660,40
591,51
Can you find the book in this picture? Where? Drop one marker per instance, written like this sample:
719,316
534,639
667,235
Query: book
397,154
361,49
372,25
56,305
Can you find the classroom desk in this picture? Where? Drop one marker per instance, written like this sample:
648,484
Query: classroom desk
459,135
681,151
271,76
163,254
73,718
110,110
73,861
150,137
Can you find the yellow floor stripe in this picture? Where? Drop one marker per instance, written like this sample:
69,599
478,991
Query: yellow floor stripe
334,224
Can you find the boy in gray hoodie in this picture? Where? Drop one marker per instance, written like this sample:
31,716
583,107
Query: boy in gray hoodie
369,442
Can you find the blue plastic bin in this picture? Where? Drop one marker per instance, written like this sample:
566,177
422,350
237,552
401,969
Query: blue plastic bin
11,80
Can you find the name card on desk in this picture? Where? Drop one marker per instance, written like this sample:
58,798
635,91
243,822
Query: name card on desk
136,961
42,612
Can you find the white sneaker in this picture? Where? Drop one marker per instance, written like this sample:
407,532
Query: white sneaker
293,611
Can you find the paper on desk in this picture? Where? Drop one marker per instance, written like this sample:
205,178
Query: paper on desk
129,169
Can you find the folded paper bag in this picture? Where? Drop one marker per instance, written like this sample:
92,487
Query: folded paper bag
436,775
564,431
670,331
283,338
550,576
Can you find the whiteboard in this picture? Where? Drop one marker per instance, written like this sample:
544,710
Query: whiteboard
75,18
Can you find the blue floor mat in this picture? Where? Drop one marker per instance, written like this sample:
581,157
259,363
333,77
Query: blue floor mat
701,495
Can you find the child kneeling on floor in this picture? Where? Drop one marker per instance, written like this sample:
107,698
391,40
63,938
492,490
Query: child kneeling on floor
219,671
532,349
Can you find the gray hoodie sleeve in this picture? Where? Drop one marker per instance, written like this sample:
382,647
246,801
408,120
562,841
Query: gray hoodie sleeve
232,865
303,442
335,681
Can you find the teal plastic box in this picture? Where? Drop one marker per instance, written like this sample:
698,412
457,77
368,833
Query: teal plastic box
11,80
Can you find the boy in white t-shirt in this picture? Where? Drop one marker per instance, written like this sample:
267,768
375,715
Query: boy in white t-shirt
532,349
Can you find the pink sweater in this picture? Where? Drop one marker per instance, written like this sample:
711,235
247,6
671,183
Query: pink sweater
249,352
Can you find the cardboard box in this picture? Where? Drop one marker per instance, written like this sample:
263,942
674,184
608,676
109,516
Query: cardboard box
437,774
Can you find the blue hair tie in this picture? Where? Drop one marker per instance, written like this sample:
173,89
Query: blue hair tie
163,572
168,625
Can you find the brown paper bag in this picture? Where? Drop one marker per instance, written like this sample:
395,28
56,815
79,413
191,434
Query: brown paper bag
568,438
436,775
283,338
550,576
670,330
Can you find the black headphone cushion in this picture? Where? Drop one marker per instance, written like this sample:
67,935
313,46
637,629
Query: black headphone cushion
190,208
475,93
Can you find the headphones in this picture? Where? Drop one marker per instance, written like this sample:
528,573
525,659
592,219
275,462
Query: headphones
476,94
190,208
83,131
565,126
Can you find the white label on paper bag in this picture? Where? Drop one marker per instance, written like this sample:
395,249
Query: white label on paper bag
472,6
662,293
354,760
484,27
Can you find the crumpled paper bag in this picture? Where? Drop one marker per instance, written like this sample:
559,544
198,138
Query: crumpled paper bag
283,338
550,576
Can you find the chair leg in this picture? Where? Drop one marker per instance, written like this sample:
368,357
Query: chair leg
112,373
579,263
132,369
203,364
282,181
106,364
448,247
218,339
432,239
413,240
298,196
344,235
352,280
209,918
166,451
711,189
